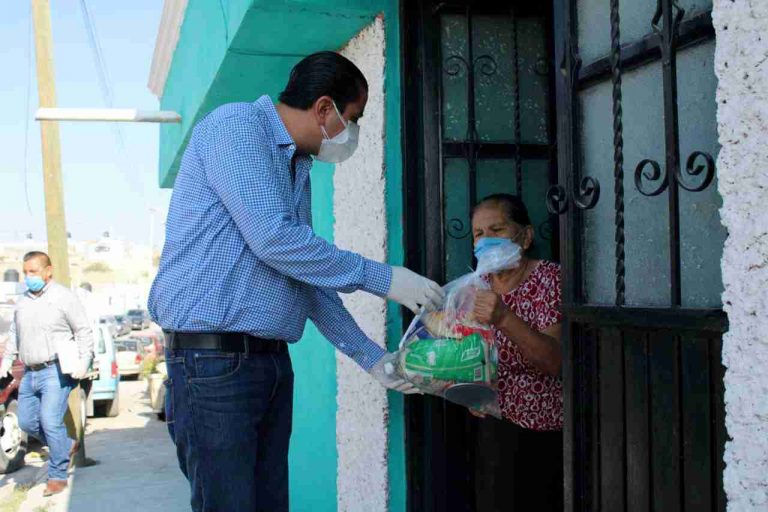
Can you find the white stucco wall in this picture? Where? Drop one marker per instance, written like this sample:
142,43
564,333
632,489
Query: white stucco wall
741,65
361,226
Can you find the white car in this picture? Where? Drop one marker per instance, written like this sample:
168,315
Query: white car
130,356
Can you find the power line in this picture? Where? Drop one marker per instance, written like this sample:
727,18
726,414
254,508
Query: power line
105,84
98,55
226,23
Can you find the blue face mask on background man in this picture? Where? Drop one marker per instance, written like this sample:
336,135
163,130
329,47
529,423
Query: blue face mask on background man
34,283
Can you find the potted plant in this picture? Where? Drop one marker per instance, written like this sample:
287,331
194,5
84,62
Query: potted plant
154,370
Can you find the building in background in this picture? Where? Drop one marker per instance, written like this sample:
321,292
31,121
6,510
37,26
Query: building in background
636,137
119,273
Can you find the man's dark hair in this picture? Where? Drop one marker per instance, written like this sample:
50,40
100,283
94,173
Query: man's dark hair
38,255
324,74
512,206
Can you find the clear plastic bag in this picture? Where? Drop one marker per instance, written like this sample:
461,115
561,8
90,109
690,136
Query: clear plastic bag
447,352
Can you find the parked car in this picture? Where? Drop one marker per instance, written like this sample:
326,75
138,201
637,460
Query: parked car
13,441
104,395
139,319
130,355
153,343
111,322
123,325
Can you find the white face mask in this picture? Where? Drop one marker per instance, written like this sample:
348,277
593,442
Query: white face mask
339,148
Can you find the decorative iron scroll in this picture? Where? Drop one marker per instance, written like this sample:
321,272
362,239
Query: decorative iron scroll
588,193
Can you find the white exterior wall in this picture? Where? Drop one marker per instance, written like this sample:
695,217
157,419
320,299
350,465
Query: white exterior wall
741,65
361,226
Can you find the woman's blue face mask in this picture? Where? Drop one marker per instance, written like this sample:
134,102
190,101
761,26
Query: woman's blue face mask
497,254
483,245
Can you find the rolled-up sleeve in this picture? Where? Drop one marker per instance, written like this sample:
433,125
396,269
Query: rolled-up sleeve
334,322
239,169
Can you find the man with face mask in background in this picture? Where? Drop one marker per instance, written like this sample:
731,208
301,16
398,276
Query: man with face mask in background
242,271
47,318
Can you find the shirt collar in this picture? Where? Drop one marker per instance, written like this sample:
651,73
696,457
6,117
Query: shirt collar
279,131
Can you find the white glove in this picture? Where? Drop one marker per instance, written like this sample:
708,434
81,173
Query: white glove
82,369
5,367
384,372
414,291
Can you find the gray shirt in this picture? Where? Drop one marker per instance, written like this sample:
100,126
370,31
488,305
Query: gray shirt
41,322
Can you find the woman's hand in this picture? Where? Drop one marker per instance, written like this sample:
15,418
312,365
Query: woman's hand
489,308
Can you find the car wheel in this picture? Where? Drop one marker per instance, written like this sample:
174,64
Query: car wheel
13,441
113,406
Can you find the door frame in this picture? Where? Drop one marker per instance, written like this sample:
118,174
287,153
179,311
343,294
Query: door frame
437,478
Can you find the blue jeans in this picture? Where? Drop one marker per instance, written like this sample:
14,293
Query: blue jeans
230,417
42,404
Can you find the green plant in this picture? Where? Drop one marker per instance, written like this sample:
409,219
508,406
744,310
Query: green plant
149,366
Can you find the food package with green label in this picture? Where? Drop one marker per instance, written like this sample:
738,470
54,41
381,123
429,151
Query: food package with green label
447,352
452,358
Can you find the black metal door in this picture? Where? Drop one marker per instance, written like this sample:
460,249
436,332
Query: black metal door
643,333
479,119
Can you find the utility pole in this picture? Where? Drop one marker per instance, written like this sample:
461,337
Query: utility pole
54,193
53,187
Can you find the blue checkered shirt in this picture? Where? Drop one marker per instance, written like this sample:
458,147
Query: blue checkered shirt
240,254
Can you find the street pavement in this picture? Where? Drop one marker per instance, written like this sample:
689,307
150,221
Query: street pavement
136,466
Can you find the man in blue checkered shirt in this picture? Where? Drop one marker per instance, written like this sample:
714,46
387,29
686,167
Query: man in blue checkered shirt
242,271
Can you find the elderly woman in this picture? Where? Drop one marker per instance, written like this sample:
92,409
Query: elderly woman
523,307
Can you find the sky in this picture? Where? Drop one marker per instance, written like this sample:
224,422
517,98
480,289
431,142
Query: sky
107,186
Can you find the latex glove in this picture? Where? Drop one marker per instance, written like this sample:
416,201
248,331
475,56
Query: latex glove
82,369
414,291
384,372
5,367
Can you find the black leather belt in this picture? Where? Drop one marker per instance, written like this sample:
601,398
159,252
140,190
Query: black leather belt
41,366
224,342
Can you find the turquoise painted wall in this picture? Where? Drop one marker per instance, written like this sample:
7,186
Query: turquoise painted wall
204,38
313,456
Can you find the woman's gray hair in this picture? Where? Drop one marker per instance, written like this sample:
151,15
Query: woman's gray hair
512,206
